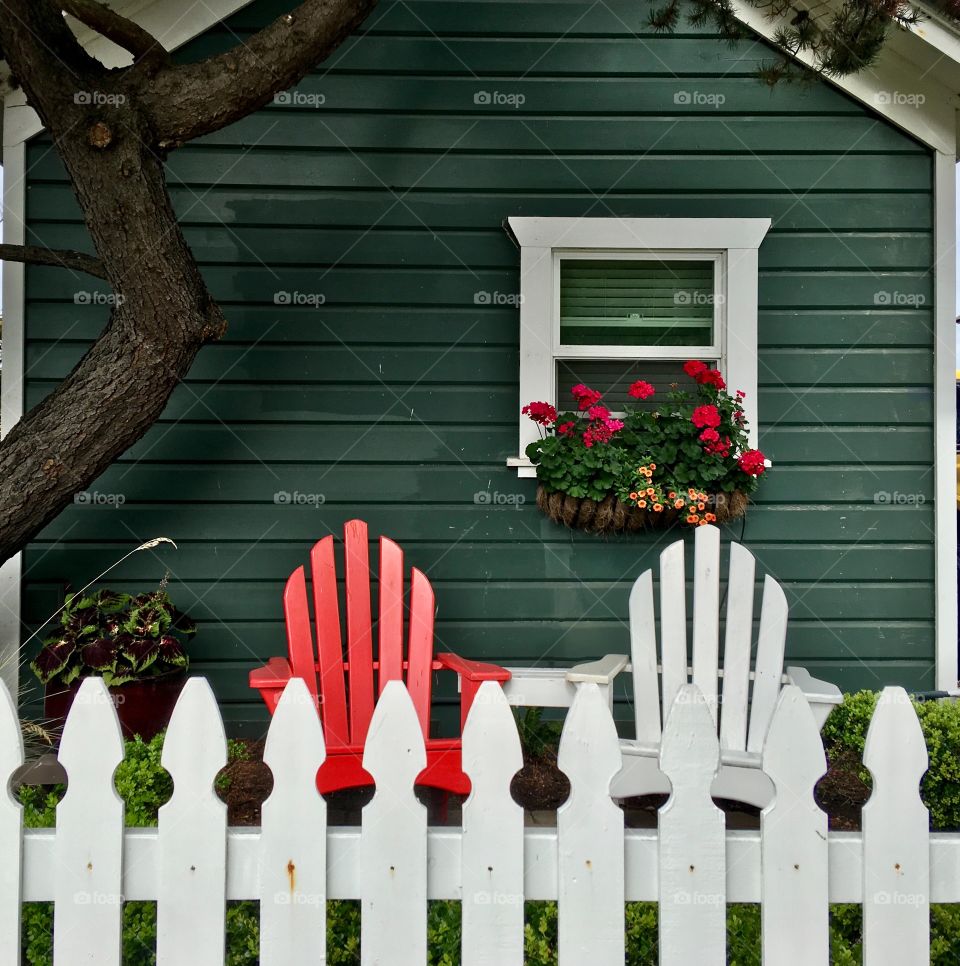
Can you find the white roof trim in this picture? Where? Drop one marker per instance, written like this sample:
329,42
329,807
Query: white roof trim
892,86
172,22
882,88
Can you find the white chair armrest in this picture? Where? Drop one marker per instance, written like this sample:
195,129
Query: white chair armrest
598,672
822,695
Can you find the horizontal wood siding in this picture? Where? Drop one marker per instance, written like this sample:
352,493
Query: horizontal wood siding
382,389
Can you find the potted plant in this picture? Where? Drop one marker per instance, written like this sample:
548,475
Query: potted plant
136,644
685,460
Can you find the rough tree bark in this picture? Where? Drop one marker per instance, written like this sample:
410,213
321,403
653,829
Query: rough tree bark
113,147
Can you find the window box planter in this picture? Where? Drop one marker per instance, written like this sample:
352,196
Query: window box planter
684,460
612,515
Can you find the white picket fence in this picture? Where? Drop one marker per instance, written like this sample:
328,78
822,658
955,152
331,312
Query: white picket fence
191,864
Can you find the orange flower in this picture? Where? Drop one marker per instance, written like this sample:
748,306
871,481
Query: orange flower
703,497
677,504
653,466
710,517
633,496
641,503
702,523
701,506
657,507
671,495
692,518
650,491
691,492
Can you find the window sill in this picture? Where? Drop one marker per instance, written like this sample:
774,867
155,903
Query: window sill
523,466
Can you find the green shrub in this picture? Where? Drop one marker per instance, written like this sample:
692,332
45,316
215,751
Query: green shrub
846,730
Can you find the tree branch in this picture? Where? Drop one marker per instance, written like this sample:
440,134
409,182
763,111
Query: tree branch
112,25
191,100
59,258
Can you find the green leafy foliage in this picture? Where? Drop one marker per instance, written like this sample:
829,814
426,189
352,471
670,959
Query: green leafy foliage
537,737
845,732
118,636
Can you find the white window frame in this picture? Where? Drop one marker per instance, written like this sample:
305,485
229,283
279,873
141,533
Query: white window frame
732,242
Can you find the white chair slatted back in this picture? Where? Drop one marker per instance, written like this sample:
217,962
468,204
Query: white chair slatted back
736,649
706,614
768,670
743,718
673,625
643,650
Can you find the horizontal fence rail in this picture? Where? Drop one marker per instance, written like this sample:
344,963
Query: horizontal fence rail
192,863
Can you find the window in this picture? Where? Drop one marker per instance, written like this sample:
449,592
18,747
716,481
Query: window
606,301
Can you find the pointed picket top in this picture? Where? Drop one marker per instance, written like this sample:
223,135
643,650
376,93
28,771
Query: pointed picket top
896,837
590,832
491,725
393,837
89,856
793,755
895,748
196,713
192,832
294,747
11,824
692,843
794,901
394,747
492,849
690,750
293,865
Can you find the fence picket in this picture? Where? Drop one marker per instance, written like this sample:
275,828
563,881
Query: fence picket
89,844
393,842
794,908
492,849
692,845
192,835
11,831
590,891
896,837
293,865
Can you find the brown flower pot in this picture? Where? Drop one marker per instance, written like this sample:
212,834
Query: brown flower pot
613,516
143,707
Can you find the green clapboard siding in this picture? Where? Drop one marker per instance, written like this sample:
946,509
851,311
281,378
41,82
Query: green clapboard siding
348,232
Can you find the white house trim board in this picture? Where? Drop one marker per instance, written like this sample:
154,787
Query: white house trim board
732,241
11,391
945,365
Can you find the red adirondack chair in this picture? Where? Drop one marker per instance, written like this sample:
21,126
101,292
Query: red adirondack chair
329,677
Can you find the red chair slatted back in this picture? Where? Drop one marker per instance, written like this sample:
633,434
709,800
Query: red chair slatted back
359,628
420,647
329,644
391,613
299,638
347,723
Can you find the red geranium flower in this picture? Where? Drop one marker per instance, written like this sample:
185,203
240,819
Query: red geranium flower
599,412
709,436
752,462
566,429
711,377
541,412
641,390
705,416
585,396
694,368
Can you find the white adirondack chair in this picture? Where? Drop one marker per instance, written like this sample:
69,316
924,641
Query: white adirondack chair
660,668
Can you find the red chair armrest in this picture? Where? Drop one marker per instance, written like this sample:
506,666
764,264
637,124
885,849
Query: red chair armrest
473,670
274,674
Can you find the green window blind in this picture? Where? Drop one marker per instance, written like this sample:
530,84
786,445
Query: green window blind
641,302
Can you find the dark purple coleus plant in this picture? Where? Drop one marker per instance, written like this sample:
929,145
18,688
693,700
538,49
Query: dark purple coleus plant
117,636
